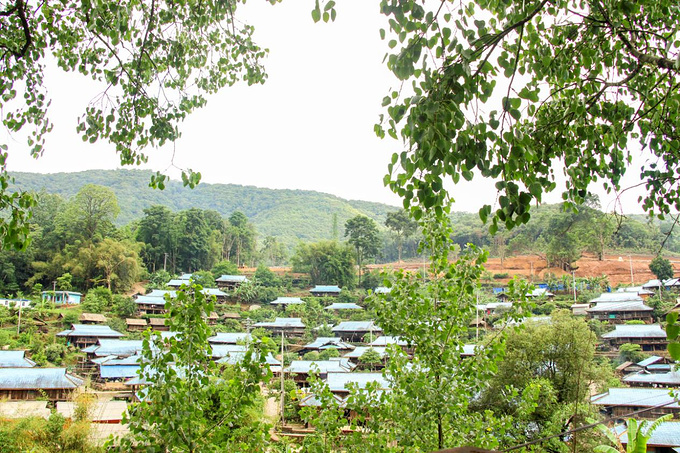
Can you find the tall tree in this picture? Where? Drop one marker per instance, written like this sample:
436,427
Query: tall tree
402,226
326,262
662,268
363,235
158,231
92,211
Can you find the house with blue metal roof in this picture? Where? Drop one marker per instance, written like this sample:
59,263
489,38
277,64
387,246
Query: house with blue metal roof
286,301
33,383
618,402
325,291
650,337
288,326
646,379
15,359
664,439
230,282
230,338
150,305
620,312
84,335
354,331
343,306
323,343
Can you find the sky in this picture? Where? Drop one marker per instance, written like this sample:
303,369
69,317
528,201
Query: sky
310,126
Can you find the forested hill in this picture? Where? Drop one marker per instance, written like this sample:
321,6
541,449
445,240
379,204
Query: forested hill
287,214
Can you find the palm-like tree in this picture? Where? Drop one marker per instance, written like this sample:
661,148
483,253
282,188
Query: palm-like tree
638,436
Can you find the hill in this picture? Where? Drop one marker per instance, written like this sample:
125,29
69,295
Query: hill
290,215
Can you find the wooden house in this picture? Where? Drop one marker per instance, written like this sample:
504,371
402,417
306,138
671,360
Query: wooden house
301,369
290,327
654,380
664,439
230,338
33,383
339,383
92,318
354,331
325,291
343,306
62,297
323,343
230,282
150,305
134,324
620,312
649,337
158,325
84,335
284,302
619,402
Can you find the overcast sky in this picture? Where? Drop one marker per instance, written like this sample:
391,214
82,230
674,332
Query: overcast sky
309,127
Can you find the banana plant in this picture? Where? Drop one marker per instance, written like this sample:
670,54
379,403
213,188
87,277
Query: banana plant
638,436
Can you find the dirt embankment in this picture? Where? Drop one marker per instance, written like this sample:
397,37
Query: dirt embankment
616,267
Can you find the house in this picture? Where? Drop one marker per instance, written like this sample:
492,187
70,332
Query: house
230,338
645,379
62,297
286,301
620,312
177,282
540,293
220,351
580,309
15,303
84,335
359,351
220,296
150,305
649,337
325,291
301,369
338,306
162,293
291,327
107,349
112,368
664,439
92,318
493,308
158,325
619,402
135,324
656,364
323,343
639,290
34,383
339,383
230,282
15,359
354,331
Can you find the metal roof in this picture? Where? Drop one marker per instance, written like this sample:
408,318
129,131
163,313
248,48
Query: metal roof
343,306
282,322
607,307
161,293
338,382
617,297
120,348
231,278
223,350
23,409
118,371
287,301
325,289
387,339
636,331
178,282
213,292
37,378
540,292
230,337
642,397
328,342
360,350
150,300
356,326
635,289
672,379
89,330
649,361
667,434
233,358
15,359
321,366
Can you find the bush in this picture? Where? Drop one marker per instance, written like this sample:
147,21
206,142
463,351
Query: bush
123,306
631,352
501,276
55,352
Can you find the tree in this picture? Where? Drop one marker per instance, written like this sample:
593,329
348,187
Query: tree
662,268
92,212
158,231
402,226
155,61
363,235
119,263
190,405
574,82
638,434
326,262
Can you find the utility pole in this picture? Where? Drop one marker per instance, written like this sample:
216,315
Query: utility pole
21,304
165,260
630,261
573,279
283,389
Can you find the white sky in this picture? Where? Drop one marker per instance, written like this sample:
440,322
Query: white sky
309,127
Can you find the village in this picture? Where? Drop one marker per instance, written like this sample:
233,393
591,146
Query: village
346,350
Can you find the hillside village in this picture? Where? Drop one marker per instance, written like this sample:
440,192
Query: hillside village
326,331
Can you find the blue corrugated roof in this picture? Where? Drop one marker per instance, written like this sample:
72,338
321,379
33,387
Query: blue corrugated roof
37,378
356,326
231,278
119,348
15,359
90,330
325,289
641,397
287,301
282,322
118,371
344,306
230,337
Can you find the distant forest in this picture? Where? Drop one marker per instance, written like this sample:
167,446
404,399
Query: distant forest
135,230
